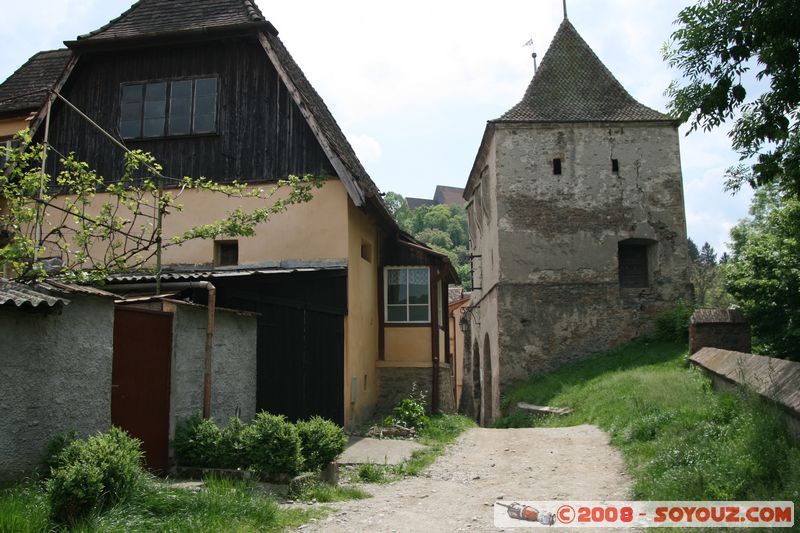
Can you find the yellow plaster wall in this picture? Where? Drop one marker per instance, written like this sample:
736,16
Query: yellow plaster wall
315,230
11,126
361,324
407,344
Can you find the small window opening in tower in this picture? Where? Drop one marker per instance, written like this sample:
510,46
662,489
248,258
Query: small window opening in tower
615,166
557,166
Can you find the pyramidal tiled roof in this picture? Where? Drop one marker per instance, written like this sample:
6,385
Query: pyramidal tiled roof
26,89
573,85
147,18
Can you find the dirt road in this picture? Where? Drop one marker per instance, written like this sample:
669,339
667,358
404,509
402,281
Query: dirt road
458,491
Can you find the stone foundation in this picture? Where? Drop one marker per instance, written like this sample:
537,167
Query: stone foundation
396,383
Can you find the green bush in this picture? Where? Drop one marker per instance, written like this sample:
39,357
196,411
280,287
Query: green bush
673,325
197,442
232,452
93,474
410,413
371,473
273,445
322,441
55,448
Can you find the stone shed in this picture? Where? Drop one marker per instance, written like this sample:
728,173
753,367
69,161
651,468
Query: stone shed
160,349
55,368
727,329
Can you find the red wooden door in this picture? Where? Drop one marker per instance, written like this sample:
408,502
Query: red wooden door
140,380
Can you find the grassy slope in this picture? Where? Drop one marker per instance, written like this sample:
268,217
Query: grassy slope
680,439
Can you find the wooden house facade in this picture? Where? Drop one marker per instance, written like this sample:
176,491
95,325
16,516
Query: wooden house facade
209,89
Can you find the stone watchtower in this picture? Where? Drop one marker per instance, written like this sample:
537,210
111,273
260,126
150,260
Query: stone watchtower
577,222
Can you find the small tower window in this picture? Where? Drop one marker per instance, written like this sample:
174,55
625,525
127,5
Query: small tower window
615,166
226,253
634,268
557,166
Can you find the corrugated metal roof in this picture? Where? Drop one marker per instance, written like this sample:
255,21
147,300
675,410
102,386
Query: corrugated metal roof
22,296
197,275
68,288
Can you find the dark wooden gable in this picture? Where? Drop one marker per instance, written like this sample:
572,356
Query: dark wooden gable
261,134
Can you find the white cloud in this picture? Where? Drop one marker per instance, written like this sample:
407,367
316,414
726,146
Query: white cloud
367,148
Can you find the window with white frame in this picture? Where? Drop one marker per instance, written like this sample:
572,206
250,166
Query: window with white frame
407,294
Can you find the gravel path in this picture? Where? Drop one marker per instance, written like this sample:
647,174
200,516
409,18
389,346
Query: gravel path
458,491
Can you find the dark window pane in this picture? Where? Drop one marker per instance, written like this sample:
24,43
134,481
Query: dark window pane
396,314
153,127
633,267
180,108
130,120
418,313
155,109
130,129
206,87
156,92
205,105
418,287
396,287
132,93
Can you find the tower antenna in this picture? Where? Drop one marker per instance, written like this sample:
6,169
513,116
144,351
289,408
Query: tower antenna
533,53
565,9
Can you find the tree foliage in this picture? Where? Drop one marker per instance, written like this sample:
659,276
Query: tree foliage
763,273
717,44
442,227
85,227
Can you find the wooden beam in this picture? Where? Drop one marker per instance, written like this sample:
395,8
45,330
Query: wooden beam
344,175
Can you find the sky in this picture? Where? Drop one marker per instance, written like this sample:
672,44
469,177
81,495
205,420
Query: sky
413,83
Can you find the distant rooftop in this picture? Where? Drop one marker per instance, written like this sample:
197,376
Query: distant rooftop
443,195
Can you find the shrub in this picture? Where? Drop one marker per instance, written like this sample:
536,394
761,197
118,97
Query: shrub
371,473
93,474
232,452
673,325
55,448
410,413
322,441
197,442
273,445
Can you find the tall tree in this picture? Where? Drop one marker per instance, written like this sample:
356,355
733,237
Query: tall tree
716,45
763,273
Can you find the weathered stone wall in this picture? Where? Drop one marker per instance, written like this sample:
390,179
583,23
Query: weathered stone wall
558,235
233,383
396,382
734,337
777,380
55,375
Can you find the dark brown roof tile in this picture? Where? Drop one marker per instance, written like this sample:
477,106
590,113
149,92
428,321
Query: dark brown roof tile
573,85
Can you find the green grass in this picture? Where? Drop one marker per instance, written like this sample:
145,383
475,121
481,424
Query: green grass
680,439
325,493
223,506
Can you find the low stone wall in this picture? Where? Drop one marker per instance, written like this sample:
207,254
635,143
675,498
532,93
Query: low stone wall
778,380
395,383
719,328
55,375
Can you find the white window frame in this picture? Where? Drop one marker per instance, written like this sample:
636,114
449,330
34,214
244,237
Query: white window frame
386,304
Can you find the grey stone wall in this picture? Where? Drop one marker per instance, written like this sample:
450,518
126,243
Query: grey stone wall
733,336
55,375
233,384
395,383
559,296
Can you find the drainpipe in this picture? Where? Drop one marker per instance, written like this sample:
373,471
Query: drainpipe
212,304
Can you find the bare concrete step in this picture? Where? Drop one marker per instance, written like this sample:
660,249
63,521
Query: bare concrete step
362,450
